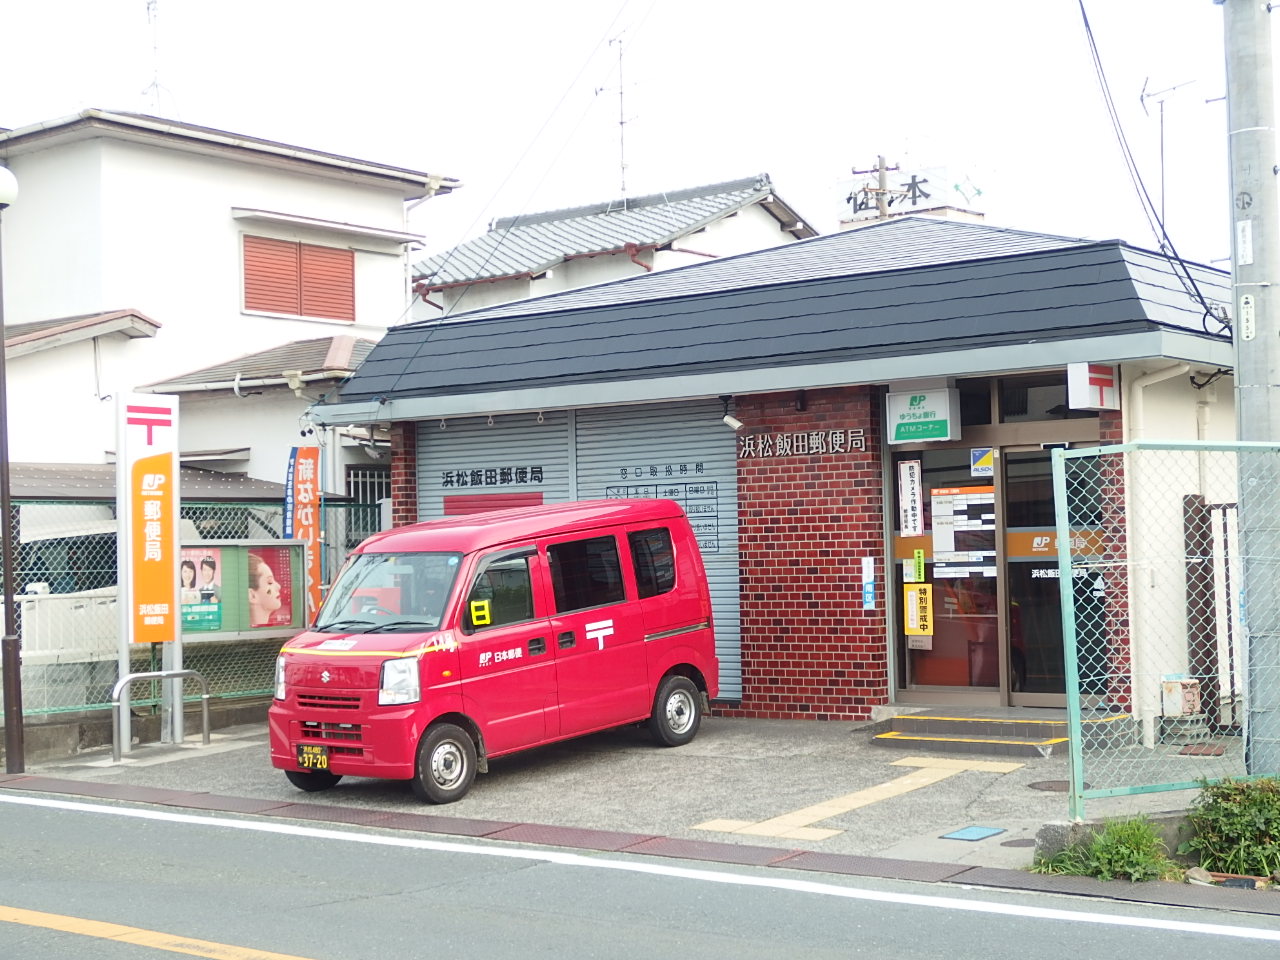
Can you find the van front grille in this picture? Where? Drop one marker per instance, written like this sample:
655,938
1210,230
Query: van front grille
324,702
317,730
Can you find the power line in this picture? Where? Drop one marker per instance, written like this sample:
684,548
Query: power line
1154,220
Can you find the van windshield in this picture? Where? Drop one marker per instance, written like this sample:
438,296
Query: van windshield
386,592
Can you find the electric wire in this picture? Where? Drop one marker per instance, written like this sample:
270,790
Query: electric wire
449,255
433,325
1149,209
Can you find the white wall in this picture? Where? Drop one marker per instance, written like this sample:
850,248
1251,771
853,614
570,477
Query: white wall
53,235
58,413
105,225
1174,410
1156,482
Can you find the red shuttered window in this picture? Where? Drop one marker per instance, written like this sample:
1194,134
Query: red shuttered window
281,276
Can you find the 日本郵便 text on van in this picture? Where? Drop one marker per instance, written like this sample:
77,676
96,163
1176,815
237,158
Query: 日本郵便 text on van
443,644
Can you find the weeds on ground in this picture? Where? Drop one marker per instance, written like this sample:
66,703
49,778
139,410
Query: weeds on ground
1236,827
1123,849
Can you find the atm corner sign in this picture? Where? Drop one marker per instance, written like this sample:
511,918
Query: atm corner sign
924,415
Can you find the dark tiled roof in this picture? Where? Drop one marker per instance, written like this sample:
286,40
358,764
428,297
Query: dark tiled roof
890,245
334,355
536,242
97,481
899,289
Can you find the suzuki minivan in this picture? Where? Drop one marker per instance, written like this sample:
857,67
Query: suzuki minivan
444,644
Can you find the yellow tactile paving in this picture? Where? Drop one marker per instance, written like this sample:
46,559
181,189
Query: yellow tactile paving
798,825
935,738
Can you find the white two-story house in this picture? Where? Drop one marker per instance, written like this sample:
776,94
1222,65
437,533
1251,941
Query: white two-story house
241,273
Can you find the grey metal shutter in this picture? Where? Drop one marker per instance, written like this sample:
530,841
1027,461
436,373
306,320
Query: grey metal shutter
683,452
470,457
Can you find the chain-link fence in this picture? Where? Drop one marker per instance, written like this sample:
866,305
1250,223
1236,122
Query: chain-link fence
1169,564
65,574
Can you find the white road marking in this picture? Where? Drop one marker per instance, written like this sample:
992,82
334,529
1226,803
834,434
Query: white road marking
658,869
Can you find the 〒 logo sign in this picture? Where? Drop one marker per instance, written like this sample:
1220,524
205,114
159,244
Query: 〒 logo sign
599,630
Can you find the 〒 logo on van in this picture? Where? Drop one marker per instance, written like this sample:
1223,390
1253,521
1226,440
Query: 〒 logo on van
599,630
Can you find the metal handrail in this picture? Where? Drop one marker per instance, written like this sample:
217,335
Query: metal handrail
120,703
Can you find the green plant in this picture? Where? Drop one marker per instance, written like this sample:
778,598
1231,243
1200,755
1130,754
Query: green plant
1123,849
1236,826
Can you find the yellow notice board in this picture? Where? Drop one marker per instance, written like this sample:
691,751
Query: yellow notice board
918,609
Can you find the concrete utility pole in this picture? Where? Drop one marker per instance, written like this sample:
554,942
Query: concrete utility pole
882,170
1254,272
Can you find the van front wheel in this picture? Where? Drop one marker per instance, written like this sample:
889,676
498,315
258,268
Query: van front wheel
446,764
677,712
312,780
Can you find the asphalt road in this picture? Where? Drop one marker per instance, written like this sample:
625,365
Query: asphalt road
339,893
744,770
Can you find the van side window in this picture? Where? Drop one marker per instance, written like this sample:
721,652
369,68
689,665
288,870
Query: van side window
501,593
585,573
654,560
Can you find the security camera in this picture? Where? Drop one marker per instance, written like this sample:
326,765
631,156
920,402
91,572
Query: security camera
732,422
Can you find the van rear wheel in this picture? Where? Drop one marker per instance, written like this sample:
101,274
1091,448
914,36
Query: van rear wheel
677,712
312,780
446,764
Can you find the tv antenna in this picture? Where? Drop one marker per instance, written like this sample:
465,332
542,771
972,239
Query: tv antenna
1159,97
622,122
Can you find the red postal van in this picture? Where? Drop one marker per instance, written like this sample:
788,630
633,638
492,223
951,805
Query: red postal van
446,643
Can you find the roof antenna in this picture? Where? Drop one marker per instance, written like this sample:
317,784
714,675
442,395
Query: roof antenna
622,122
153,18
1159,97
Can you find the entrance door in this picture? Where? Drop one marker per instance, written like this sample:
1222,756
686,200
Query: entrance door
949,630
1037,671
977,577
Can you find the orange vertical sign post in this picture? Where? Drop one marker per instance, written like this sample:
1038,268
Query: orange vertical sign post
147,506
302,515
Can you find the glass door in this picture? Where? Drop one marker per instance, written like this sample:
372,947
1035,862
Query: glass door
976,577
1037,675
946,573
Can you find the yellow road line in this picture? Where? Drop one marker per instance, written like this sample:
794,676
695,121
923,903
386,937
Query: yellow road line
798,825
135,935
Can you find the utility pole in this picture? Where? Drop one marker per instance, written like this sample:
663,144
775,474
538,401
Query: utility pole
1255,269
882,188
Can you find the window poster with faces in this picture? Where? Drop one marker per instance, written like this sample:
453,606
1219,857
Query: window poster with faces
200,588
270,587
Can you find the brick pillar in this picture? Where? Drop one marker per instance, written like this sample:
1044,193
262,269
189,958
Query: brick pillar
404,473
805,522
1112,637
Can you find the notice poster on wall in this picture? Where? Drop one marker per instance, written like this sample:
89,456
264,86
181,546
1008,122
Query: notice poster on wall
917,610
910,499
270,592
964,532
201,588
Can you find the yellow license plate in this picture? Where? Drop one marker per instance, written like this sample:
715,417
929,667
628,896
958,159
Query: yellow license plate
313,756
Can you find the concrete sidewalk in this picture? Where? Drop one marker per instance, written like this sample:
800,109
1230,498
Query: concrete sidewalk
794,794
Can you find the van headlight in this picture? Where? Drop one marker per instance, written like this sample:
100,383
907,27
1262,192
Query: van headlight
399,683
279,678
